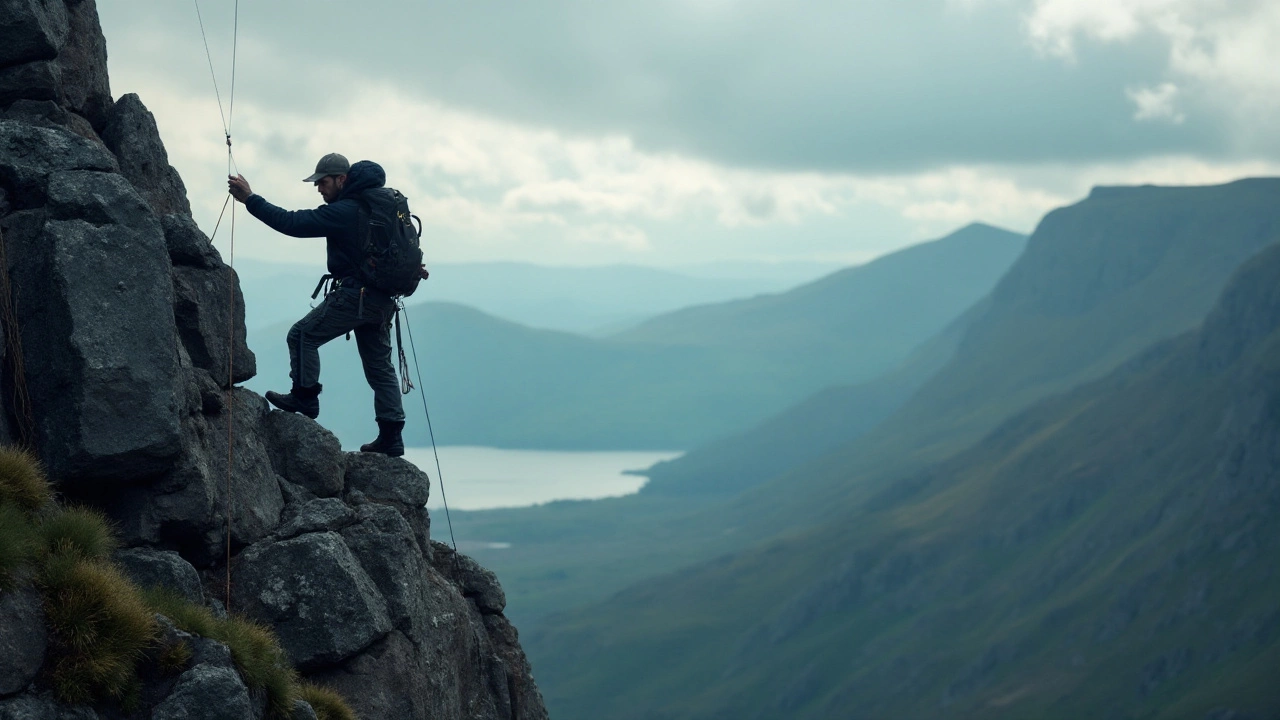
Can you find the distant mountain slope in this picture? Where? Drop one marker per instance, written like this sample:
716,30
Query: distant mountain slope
492,382
585,300
1231,222
810,429
854,324
1099,281
1110,552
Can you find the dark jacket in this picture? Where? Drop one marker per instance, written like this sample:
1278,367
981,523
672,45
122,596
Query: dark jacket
338,222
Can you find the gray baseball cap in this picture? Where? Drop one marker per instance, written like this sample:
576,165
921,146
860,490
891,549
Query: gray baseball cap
331,164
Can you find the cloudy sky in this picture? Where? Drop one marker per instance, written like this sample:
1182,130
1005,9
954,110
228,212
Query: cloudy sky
673,132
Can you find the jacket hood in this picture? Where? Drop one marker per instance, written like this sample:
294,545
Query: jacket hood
364,175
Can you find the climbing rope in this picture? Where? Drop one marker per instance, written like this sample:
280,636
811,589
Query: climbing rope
227,118
421,391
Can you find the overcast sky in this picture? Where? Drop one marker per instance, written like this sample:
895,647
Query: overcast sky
672,132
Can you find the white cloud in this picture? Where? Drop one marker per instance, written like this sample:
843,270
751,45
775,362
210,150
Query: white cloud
493,189
1228,52
1156,103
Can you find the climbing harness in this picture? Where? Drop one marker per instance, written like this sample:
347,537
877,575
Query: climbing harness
231,254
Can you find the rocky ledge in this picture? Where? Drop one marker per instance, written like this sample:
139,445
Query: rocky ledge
116,362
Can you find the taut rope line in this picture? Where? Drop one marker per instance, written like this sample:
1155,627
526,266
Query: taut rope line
226,118
422,391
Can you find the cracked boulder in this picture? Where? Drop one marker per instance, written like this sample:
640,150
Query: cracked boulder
186,510
132,135
305,453
394,482
93,295
313,592
208,304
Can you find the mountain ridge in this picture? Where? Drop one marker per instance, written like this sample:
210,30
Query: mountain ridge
1105,549
499,384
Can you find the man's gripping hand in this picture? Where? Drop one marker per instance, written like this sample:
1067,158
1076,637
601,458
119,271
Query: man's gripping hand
239,187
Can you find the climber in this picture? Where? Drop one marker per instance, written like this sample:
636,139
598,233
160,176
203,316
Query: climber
349,306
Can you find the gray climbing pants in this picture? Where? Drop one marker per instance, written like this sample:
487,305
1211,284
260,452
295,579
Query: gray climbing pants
369,317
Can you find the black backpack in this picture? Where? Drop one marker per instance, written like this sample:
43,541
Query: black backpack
391,254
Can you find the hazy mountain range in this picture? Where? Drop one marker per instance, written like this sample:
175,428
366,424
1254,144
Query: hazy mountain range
674,381
585,300
1073,515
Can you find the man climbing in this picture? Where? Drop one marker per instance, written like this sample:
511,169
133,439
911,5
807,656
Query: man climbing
349,306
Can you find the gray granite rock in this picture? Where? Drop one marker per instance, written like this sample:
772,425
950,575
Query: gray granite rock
305,453
82,61
384,544
49,114
42,706
23,639
187,509
477,583
103,347
132,136
206,692
32,29
395,482
187,243
303,711
148,568
322,604
318,515
30,153
208,305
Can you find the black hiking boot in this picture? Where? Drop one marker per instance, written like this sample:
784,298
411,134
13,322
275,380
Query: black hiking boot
298,400
389,441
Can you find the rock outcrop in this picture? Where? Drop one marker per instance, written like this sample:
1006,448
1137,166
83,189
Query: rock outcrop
121,311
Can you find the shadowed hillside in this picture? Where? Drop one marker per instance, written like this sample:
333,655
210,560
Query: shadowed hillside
668,528
1107,553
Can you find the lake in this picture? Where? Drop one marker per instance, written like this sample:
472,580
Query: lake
481,478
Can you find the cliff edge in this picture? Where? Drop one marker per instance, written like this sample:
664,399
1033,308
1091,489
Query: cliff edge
116,355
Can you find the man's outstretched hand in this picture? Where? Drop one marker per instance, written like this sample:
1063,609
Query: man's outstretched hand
239,187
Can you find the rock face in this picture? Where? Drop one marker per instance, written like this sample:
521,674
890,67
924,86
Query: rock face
23,640
313,592
131,331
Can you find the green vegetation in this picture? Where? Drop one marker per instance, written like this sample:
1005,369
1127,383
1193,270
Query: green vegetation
1109,550
24,484
328,704
1098,283
17,544
254,647
103,628
81,531
100,626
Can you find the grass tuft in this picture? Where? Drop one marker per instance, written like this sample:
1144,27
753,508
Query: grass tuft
327,703
99,623
173,659
18,544
83,531
22,481
254,647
